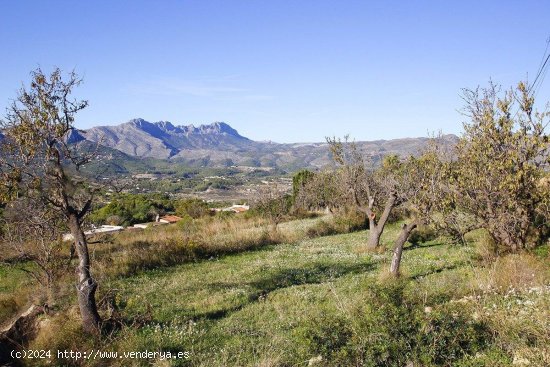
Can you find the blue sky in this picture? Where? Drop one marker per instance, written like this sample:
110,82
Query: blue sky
286,71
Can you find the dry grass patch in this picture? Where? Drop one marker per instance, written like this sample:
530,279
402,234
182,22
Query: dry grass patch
514,271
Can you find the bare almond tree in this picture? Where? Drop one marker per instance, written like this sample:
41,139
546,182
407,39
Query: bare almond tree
274,205
37,161
31,232
322,191
373,193
421,184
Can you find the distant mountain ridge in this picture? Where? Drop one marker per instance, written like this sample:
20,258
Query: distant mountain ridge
162,139
218,144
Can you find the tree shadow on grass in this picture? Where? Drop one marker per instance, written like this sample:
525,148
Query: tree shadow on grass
417,246
438,270
285,278
310,274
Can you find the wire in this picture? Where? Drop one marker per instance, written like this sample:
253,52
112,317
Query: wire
539,73
537,88
544,54
534,88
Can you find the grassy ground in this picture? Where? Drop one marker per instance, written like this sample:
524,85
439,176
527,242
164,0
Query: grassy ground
252,309
15,290
326,302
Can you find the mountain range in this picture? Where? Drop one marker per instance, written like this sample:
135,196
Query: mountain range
218,144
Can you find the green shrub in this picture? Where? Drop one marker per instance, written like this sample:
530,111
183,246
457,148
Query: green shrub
195,208
329,337
228,214
388,329
186,222
422,234
448,334
128,209
143,255
492,357
542,251
377,332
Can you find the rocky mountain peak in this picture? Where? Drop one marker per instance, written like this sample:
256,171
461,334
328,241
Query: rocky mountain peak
218,128
154,128
166,126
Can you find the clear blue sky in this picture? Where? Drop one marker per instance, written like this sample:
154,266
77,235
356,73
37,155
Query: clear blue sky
286,71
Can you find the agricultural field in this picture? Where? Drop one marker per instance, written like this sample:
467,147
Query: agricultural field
325,301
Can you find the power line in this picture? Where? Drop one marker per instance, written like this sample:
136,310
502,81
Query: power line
537,88
544,54
542,68
534,88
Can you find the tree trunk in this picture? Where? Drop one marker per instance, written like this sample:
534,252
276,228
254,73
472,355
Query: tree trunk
374,238
406,230
376,229
86,285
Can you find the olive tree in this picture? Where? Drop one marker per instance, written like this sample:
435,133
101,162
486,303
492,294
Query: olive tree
38,161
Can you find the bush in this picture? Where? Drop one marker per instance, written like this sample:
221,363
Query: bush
128,209
299,213
329,338
342,222
543,251
63,332
195,208
274,207
10,305
350,221
188,240
387,329
143,255
422,234
517,271
493,357
229,214
448,334
321,228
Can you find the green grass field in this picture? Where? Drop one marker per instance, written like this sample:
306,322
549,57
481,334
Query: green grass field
326,302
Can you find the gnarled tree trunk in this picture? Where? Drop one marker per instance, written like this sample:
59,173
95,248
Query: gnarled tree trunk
86,285
406,230
374,237
376,229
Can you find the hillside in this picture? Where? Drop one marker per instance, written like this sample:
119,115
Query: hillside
218,144
323,302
